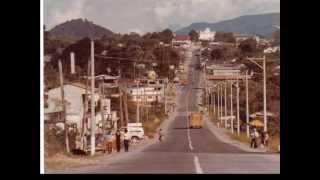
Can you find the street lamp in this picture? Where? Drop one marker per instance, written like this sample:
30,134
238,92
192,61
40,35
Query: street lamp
263,67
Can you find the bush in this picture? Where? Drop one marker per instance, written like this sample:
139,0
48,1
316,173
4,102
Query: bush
53,142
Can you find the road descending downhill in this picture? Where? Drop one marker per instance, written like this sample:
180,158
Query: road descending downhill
191,151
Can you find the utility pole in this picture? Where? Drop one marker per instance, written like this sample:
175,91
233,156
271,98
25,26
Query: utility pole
247,105
231,106
214,104
101,101
165,98
134,70
66,128
219,104
225,104
238,108
93,123
264,95
263,67
120,99
120,108
138,104
126,105
85,111
205,80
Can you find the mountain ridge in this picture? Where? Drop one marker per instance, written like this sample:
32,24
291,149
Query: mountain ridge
259,24
78,29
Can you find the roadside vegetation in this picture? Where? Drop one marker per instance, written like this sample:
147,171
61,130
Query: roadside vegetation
231,54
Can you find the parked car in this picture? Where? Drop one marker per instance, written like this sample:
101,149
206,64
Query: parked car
135,131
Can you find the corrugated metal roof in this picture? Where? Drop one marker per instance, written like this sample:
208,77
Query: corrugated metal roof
181,38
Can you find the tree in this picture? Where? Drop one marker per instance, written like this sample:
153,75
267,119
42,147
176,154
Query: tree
166,35
206,53
276,38
194,35
248,46
217,53
224,37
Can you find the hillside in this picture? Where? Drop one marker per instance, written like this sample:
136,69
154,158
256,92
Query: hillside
261,24
78,28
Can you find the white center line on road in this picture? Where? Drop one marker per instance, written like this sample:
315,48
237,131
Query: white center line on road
189,139
188,131
197,165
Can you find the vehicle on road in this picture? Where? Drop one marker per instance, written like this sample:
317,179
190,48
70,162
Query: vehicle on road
135,131
196,120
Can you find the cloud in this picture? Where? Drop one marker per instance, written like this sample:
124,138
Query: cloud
152,15
58,11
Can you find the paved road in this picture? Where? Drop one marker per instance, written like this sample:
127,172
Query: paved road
192,150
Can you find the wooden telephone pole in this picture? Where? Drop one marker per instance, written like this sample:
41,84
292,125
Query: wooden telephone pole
93,123
120,107
85,110
126,105
66,128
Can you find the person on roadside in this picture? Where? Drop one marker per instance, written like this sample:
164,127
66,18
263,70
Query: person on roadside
252,139
108,141
118,143
256,137
262,137
160,135
126,140
266,138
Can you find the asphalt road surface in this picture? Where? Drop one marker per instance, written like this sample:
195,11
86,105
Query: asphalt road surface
192,150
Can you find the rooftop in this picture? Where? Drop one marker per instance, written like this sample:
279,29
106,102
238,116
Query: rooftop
181,38
225,66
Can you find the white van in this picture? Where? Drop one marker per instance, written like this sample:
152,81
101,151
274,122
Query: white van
135,131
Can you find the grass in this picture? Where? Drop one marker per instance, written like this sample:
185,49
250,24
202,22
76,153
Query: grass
242,137
56,156
155,119
274,141
62,161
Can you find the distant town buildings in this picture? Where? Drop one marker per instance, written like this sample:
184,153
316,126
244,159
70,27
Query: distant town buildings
181,40
207,35
271,50
241,37
223,69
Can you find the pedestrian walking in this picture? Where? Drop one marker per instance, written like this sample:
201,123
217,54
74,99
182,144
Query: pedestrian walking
108,142
256,137
126,140
262,139
252,140
266,138
118,135
160,135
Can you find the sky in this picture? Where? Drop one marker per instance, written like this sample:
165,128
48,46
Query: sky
141,16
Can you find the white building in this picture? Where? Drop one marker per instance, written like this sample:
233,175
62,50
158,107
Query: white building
271,50
74,97
207,35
